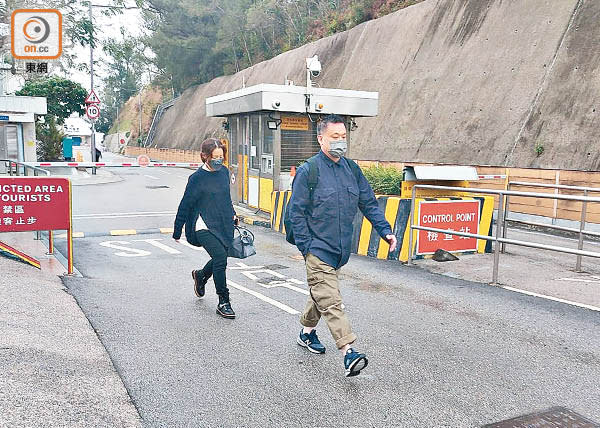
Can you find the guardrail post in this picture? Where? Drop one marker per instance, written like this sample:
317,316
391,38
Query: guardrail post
506,208
410,224
499,226
581,229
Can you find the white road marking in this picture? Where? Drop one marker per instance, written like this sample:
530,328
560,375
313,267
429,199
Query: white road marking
241,266
264,298
250,274
154,242
138,213
163,171
592,279
150,176
127,252
187,244
552,236
122,216
556,299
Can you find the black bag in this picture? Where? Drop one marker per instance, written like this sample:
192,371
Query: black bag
242,245
313,180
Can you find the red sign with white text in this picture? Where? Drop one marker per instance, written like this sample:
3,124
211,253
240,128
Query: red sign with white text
33,203
458,216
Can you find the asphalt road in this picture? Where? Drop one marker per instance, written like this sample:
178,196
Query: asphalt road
443,351
146,198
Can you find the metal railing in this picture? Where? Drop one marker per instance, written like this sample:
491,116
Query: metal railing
9,164
500,236
581,230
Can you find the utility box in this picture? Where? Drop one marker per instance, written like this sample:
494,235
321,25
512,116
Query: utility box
452,176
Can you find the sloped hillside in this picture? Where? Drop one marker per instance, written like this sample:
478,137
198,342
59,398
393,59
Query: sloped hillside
487,82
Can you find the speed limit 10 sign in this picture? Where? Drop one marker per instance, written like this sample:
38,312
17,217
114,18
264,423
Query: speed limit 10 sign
92,111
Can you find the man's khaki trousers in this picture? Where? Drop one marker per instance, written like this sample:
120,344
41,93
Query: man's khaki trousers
325,300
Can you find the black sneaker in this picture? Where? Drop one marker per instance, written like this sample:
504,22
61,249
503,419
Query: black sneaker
354,362
224,309
199,282
311,342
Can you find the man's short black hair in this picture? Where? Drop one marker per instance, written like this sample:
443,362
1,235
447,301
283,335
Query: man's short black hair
323,123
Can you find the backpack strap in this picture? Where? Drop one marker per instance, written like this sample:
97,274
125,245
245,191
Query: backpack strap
313,175
355,169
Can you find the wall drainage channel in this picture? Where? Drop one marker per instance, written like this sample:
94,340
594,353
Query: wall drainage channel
556,417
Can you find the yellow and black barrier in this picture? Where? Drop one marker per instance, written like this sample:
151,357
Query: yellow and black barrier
366,241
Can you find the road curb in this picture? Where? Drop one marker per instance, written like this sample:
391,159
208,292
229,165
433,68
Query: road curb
255,221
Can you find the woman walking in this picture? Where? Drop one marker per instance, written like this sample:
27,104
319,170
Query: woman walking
207,213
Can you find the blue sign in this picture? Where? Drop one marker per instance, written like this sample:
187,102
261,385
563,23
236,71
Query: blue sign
3,117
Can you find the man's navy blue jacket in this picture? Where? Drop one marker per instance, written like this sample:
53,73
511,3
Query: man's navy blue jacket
323,226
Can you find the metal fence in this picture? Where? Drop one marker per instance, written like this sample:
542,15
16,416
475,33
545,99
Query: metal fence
500,233
581,230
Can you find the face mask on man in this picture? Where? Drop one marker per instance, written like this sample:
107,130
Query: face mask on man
338,148
216,164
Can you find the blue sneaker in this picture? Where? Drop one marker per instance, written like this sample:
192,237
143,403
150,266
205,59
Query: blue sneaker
354,362
311,342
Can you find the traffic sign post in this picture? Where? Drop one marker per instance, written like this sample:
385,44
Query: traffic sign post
92,109
35,204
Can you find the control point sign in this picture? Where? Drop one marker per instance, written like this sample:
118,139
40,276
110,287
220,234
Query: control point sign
143,160
456,216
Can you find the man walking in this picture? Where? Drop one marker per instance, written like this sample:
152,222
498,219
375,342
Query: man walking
321,216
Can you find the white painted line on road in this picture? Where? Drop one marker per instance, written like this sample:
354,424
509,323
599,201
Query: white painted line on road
150,176
552,236
187,244
164,172
120,214
592,279
154,242
556,299
127,252
264,298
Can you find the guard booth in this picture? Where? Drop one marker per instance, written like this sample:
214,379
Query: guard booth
273,128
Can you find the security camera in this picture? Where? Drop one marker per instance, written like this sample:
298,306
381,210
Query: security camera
276,104
314,66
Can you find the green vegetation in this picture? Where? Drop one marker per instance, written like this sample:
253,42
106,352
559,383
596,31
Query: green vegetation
539,149
384,180
195,41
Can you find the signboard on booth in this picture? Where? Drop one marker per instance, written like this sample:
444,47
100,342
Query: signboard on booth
35,203
458,216
294,123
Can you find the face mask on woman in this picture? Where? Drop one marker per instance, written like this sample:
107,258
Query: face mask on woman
216,164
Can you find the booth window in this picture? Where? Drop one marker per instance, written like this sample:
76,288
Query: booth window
266,158
254,142
233,141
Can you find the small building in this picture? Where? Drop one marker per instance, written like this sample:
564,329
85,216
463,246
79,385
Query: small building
273,129
17,127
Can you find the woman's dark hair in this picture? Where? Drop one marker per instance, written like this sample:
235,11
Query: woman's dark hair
209,145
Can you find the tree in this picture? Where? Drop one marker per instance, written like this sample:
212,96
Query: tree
63,97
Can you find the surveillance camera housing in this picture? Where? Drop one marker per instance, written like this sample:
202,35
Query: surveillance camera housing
315,73
276,104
